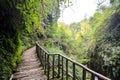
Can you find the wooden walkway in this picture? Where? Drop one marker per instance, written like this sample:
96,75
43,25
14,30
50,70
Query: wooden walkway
29,68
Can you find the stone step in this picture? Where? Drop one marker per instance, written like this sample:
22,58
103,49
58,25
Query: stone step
28,63
29,68
37,77
25,73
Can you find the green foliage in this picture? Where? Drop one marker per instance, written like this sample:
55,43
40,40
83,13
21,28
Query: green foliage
21,23
106,50
94,42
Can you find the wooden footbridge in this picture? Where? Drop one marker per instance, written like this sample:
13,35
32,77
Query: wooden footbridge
38,64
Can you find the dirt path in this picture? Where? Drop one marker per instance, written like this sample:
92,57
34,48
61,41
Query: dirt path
29,68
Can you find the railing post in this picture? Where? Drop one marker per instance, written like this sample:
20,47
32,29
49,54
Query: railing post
43,56
84,74
48,66
53,66
36,48
66,69
45,62
74,71
62,68
58,65
40,55
92,77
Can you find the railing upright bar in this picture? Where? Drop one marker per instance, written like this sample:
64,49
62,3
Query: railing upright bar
40,55
84,74
53,66
43,59
62,68
66,69
74,71
36,48
92,77
58,65
48,71
45,62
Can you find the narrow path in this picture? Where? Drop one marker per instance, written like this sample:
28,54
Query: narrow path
29,68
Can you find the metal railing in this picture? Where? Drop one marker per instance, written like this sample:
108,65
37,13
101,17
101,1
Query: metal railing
59,66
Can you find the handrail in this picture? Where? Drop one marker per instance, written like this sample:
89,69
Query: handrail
61,63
